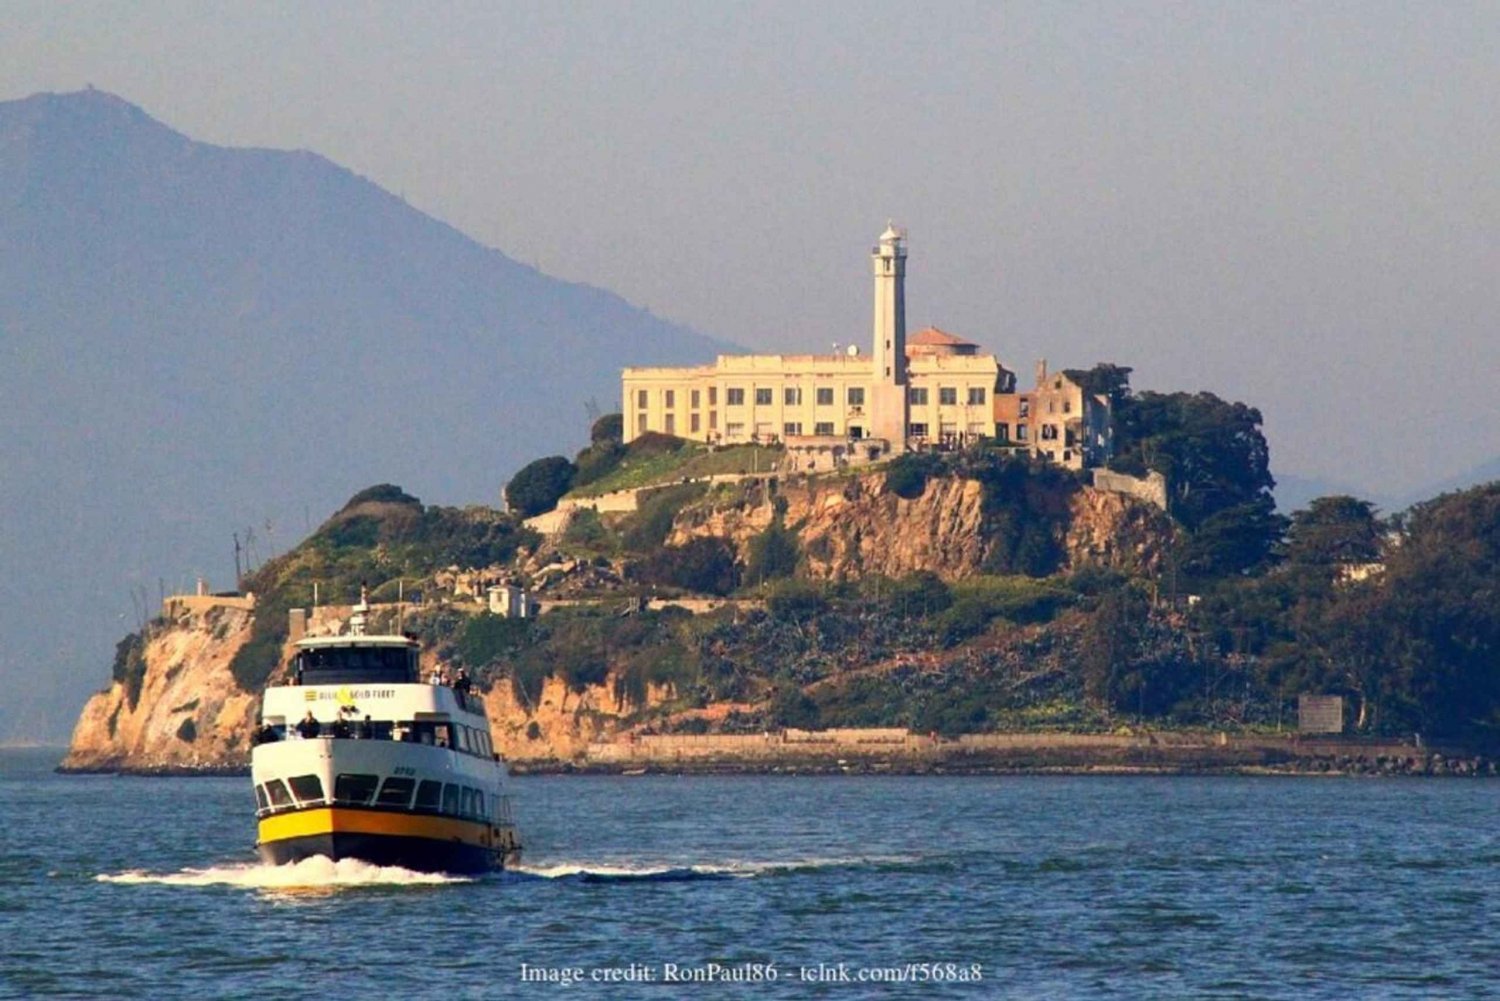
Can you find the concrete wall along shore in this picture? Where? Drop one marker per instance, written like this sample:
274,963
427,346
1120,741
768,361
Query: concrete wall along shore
903,744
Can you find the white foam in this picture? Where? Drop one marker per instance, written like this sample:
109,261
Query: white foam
313,873
734,868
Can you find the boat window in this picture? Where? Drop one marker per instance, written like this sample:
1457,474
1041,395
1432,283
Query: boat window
451,798
395,792
280,798
489,746
479,805
307,788
354,665
261,802
443,734
354,789
466,807
429,795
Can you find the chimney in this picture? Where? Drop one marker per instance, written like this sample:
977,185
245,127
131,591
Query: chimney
1041,372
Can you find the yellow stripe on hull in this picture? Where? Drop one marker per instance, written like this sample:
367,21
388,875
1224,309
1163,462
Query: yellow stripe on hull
346,820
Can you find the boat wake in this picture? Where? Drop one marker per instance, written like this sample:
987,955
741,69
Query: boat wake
315,873
615,871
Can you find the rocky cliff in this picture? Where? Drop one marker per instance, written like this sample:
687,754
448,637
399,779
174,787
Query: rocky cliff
852,526
189,713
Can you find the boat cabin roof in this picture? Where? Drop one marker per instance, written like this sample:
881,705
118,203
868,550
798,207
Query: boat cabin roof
322,642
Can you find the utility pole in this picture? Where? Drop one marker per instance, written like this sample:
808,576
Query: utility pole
238,580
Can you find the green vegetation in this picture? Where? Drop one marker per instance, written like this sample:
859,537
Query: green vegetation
657,458
380,537
539,485
130,666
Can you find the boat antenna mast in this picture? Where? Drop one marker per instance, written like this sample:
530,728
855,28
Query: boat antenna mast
361,613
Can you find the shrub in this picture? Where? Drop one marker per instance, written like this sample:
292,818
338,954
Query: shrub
796,602
773,553
705,565
907,475
610,427
537,487
487,637
792,707
130,666
649,527
383,493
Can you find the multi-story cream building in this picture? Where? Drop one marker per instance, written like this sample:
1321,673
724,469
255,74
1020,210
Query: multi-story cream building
933,389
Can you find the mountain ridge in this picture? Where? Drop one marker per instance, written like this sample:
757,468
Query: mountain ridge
198,339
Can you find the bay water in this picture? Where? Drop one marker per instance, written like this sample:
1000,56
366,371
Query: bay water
774,886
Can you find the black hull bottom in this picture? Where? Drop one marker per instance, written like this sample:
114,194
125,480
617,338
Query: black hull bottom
418,854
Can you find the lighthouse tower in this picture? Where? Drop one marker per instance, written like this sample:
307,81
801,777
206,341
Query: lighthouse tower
888,403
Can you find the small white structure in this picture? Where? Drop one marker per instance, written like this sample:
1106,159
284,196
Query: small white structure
511,601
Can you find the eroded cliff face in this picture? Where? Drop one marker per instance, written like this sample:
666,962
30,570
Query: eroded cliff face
562,724
849,527
190,714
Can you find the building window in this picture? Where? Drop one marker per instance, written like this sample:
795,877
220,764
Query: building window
693,399
1051,406
825,396
792,396
1025,408
949,429
763,397
918,431
668,398
856,396
823,427
640,399
734,397
1049,432
1002,432
734,429
947,396
693,423
976,396
791,427
763,431
976,430
713,396
640,424
1020,432
856,432
917,396
671,427
713,419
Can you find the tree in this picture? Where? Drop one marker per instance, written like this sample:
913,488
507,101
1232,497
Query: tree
1104,379
1333,532
539,485
1218,470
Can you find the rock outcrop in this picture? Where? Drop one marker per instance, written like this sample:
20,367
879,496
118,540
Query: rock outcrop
852,526
189,714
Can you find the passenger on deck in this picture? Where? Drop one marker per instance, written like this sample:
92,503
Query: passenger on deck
266,734
341,728
463,684
366,729
436,677
309,727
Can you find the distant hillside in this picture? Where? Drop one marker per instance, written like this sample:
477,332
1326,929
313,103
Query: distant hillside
196,340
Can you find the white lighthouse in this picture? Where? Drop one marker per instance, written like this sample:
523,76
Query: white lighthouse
889,403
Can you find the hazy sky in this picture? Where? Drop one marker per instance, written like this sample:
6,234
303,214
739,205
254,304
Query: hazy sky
1295,205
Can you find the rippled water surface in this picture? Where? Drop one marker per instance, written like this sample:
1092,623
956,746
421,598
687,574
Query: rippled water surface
1042,887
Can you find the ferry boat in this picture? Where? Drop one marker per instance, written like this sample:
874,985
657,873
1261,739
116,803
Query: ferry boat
359,758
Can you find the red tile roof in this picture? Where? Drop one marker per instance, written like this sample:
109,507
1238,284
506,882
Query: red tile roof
934,336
